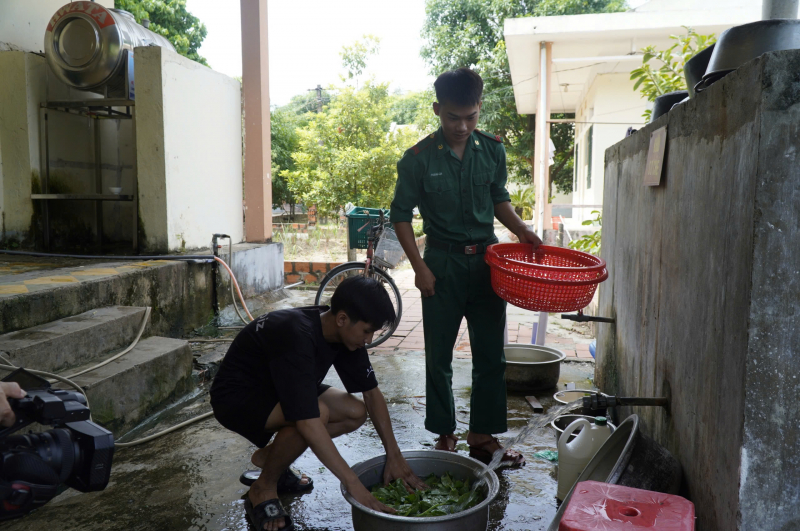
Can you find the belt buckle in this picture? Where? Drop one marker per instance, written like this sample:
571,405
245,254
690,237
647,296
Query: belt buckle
471,249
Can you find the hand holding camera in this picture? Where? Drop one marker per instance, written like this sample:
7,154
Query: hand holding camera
35,467
8,390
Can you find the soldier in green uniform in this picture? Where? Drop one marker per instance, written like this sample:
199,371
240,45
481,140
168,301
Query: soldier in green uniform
457,178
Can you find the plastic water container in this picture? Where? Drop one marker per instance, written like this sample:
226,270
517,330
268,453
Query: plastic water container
594,505
573,456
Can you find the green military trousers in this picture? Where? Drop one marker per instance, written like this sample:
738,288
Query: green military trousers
463,289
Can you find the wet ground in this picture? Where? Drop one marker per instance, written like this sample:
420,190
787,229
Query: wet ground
189,479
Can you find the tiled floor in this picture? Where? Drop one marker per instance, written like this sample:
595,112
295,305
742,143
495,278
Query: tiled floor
571,338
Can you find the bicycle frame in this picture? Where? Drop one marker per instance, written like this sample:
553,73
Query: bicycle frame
374,234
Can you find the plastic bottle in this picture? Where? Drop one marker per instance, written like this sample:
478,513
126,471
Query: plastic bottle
574,456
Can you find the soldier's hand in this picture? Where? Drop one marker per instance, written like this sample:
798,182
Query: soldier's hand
528,236
425,281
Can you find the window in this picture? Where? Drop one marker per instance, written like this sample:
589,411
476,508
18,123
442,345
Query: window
589,157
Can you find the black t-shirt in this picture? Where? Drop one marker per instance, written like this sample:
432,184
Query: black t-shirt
285,351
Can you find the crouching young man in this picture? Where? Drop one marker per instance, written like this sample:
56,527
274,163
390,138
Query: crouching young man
270,383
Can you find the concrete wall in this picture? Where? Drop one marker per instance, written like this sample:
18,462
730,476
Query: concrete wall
23,22
703,286
21,91
189,157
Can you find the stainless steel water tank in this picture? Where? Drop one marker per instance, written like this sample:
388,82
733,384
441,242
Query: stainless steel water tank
86,44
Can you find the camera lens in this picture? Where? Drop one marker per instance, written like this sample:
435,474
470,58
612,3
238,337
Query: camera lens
54,447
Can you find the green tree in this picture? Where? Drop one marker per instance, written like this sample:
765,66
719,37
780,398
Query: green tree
171,19
346,153
354,58
285,139
415,108
653,80
470,33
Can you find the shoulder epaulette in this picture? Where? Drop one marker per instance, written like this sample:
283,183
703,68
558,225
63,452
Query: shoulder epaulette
496,138
424,143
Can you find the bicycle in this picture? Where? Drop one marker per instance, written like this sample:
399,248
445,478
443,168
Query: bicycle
373,266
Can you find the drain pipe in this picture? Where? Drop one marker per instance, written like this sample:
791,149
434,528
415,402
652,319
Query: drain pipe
215,271
597,401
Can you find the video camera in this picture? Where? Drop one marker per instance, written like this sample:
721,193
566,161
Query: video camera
36,467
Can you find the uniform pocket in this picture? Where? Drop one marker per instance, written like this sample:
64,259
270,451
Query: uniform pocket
436,260
439,195
481,182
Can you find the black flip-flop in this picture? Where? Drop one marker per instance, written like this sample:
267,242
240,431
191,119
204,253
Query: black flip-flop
289,481
266,512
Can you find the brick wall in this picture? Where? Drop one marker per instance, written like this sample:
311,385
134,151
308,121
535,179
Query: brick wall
308,272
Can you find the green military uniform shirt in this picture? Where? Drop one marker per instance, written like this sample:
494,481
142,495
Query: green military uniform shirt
455,197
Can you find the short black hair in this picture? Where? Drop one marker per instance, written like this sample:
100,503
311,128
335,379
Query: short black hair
461,87
364,299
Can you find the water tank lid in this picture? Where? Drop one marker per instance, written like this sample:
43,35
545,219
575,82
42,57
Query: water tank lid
600,421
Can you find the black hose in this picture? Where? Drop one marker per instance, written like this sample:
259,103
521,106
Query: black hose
103,257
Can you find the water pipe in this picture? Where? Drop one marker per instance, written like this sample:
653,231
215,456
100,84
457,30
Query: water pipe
598,401
581,318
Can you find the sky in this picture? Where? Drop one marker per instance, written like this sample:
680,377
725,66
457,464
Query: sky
306,36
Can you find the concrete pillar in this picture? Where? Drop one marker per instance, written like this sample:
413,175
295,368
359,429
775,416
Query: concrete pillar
543,135
779,9
258,150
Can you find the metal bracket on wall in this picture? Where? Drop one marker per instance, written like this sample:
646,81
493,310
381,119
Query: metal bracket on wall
94,109
581,318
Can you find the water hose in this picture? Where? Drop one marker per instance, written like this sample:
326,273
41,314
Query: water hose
66,380
203,257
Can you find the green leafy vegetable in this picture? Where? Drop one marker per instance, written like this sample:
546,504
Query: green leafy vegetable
445,496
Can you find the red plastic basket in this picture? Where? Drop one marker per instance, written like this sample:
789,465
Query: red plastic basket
551,279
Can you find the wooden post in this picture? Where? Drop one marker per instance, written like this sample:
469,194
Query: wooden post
258,152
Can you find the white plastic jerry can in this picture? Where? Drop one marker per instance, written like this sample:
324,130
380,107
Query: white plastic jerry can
574,456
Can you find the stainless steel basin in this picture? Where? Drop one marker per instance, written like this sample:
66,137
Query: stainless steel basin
532,367
423,463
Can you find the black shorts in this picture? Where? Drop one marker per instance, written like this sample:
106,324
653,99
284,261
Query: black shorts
246,410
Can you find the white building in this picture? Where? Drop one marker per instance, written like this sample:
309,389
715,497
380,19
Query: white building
589,59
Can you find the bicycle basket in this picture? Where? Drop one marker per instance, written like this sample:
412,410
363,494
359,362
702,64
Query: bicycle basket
359,220
389,250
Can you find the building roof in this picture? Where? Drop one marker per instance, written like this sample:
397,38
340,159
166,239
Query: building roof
585,46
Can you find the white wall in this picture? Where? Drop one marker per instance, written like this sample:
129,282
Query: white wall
189,138
21,91
23,22
611,106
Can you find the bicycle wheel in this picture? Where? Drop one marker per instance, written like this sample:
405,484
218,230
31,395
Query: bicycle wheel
350,269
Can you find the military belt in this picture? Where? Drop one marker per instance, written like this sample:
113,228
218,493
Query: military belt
478,248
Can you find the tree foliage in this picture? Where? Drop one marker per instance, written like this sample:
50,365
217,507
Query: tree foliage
285,140
346,153
590,243
653,80
171,19
354,57
470,33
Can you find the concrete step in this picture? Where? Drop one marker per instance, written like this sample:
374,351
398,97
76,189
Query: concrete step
73,341
121,394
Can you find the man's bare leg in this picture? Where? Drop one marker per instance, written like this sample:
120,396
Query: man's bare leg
339,411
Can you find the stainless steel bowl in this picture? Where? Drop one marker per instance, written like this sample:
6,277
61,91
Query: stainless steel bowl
664,103
532,367
695,68
740,44
423,463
